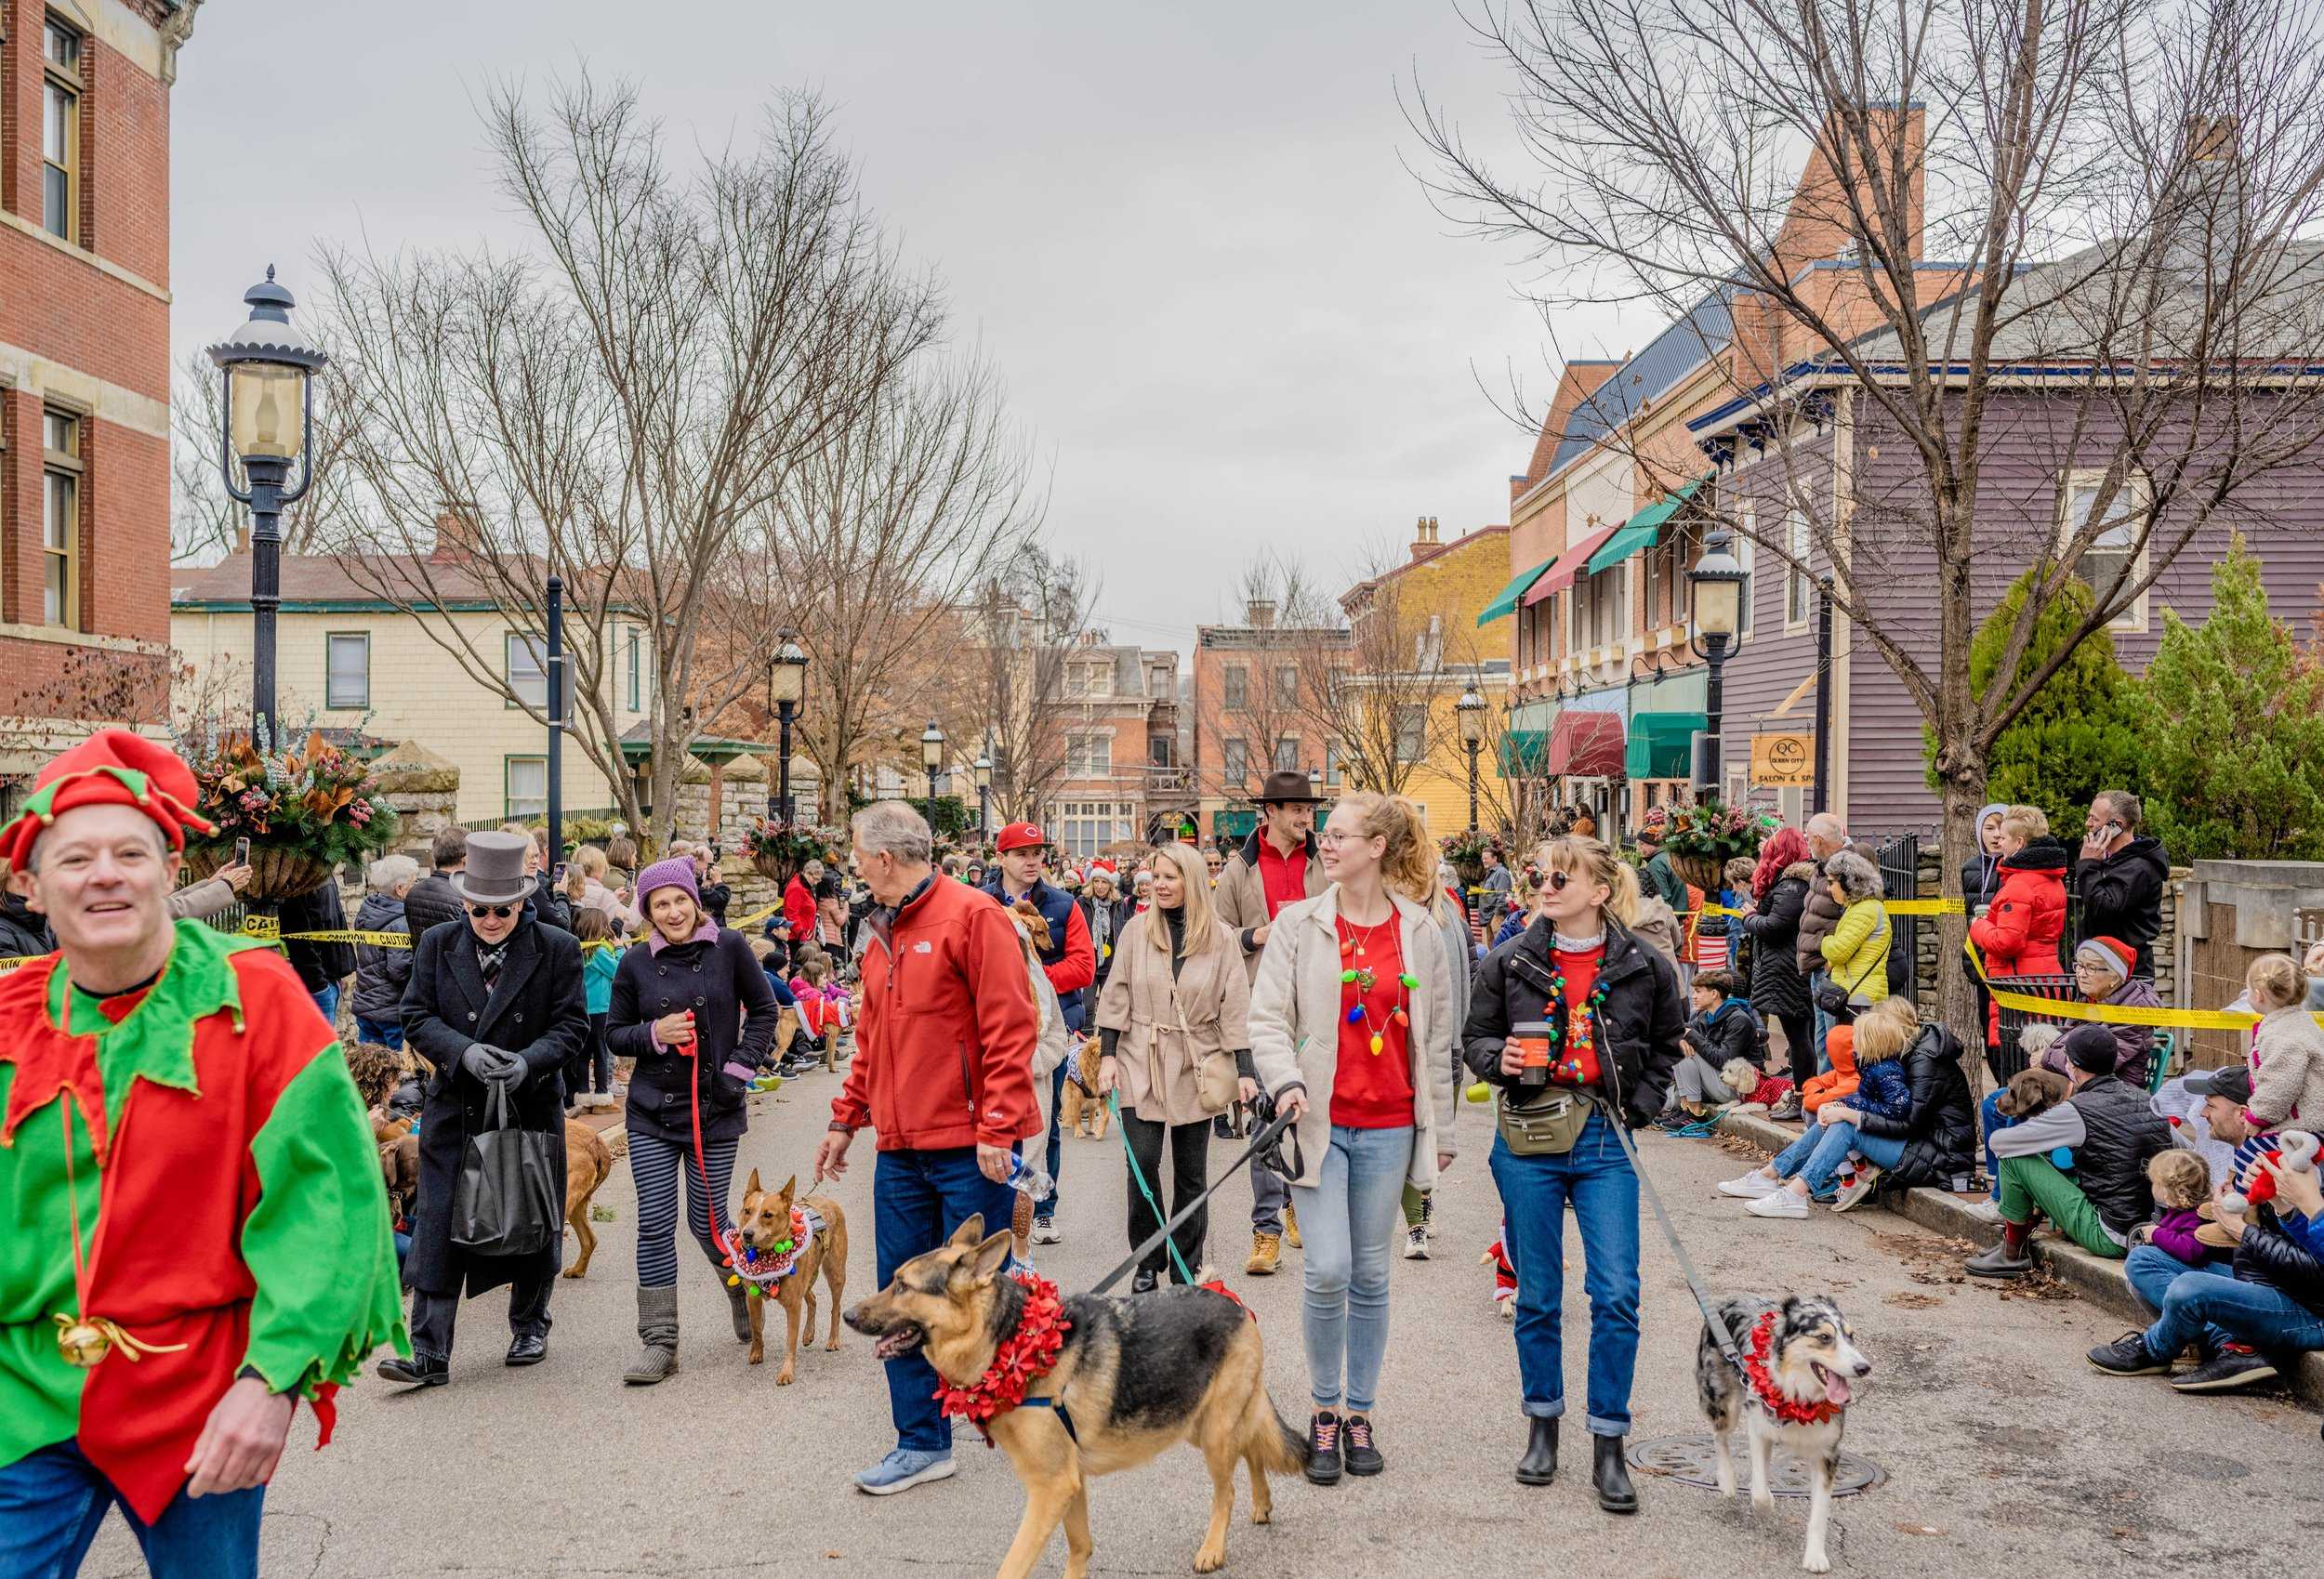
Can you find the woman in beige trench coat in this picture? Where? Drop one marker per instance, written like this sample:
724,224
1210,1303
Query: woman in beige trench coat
1174,1038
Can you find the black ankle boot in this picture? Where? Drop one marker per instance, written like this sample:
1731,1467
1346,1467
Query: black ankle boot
1539,1467
1611,1475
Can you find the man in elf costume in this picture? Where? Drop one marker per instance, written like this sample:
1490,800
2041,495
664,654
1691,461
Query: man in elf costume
193,1231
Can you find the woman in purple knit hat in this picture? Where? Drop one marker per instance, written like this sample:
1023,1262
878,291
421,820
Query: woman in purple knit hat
693,1008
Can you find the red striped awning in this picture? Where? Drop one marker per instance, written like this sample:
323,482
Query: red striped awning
1586,745
1561,575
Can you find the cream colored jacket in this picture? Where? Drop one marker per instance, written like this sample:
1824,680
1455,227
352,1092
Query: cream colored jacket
1154,1060
1295,1025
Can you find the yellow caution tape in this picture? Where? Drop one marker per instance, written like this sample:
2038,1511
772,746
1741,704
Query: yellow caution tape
17,961
2114,1014
1893,907
267,927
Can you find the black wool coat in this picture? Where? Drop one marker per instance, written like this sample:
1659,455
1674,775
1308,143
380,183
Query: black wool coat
735,1013
1940,1130
1777,988
537,1012
1643,1016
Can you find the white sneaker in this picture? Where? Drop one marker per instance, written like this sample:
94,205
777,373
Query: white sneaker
1416,1243
1045,1231
1986,1211
1778,1204
1858,1189
1751,1187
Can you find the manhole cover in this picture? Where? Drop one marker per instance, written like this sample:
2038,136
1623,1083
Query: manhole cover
1690,1460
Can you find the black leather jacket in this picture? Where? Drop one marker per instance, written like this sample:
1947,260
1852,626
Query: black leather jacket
1643,1016
2267,1255
1940,1128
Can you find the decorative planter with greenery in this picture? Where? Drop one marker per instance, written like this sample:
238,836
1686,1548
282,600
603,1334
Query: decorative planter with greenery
1700,839
305,810
778,849
1465,852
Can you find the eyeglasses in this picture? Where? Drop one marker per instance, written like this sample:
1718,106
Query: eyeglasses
1338,836
502,911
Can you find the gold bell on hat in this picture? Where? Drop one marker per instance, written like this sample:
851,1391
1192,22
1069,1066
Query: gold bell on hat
82,1343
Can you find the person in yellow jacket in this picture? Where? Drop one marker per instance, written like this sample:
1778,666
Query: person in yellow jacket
1855,952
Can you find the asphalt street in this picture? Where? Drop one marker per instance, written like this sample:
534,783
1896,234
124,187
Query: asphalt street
2004,1451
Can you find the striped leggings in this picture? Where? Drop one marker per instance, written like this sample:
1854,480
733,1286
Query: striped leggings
656,1166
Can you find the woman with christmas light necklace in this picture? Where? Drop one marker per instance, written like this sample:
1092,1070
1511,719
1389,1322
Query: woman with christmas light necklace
1577,1021
1352,1032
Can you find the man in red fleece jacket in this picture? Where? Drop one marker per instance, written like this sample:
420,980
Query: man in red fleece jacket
944,1071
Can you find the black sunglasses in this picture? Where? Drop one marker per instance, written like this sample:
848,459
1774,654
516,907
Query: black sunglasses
1558,880
500,910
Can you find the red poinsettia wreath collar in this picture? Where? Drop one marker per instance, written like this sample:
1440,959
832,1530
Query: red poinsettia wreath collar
1024,1358
1764,1384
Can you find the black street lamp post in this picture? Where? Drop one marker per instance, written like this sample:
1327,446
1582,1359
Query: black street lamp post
983,791
786,687
931,759
1471,711
268,369
1718,587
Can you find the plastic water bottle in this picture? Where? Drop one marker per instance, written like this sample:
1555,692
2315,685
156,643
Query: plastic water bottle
1028,1180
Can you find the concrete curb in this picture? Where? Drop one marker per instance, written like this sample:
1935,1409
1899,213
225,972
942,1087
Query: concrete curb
2101,1282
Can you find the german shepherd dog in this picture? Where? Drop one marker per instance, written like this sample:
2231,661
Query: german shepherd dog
764,1222
1812,1358
1136,1375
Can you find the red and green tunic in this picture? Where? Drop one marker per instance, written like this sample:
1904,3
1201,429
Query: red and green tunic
230,1199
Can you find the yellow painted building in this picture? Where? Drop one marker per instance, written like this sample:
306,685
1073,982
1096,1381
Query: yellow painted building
356,662
1417,647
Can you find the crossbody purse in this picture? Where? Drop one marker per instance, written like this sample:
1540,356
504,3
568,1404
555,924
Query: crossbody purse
1545,1124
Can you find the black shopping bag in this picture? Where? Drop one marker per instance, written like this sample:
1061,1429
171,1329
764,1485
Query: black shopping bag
511,1197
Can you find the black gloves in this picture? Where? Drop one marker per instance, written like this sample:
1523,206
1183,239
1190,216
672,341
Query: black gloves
492,1064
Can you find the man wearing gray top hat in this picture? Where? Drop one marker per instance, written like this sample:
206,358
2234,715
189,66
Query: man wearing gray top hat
495,1000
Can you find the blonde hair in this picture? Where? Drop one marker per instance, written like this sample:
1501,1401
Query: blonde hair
1579,854
2028,822
2279,975
2181,1179
591,860
1885,1030
1407,865
1194,877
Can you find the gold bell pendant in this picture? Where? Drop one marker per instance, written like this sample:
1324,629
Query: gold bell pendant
82,1344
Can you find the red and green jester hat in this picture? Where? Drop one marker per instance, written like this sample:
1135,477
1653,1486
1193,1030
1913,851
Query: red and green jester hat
206,1135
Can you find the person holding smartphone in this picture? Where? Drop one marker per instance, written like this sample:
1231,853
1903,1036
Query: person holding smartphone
2121,875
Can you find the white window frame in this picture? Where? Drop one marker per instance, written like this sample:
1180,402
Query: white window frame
330,670
512,810
1234,688
537,648
1090,754
2131,499
1413,714
1746,553
1798,586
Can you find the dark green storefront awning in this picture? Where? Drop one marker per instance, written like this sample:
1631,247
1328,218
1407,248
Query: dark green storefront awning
1641,530
1504,603
1662,744
1234,824
1525,753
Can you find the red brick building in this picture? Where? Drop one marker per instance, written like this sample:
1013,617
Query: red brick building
83,366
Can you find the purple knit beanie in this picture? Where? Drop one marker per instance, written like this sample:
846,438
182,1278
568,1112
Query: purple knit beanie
676,873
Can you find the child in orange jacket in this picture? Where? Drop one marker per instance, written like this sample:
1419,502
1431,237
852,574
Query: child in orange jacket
1838,1081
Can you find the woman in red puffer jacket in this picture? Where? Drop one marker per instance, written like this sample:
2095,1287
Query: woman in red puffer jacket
2018,934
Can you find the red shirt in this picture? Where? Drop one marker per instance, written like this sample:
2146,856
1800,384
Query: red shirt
1373,1090
1282,877
1581,971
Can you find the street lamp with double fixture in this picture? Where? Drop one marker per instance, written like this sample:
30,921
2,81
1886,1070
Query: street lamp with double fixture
1717,580
268,368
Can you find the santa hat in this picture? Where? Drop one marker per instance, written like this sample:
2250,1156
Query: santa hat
1102,865
111,767
2112,953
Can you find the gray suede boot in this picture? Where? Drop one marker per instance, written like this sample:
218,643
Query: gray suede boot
658,1329
738,1301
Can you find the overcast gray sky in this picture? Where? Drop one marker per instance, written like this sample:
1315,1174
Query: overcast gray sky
1224,311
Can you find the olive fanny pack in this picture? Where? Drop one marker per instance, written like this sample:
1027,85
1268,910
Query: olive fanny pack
1543,1125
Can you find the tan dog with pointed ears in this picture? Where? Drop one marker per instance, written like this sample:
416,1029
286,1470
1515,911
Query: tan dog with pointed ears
763,1224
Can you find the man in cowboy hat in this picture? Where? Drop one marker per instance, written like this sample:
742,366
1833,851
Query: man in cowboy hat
1070,962
157,1365
495,1000
1277,866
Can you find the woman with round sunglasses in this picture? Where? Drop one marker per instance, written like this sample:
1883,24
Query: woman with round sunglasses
693,1007
1352,1034
1614,1015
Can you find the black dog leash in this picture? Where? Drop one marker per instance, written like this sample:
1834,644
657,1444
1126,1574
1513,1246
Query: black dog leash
1265,1140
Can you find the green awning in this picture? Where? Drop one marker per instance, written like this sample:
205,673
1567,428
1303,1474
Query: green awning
1662,744
1640,530
1504,603
1525,753
1234,824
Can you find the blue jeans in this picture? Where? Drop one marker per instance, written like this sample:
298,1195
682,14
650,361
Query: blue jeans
372,1031
2209,1304
2152,1271
1349,1227
1817,1154
1595,1177
1824,1022
327,1000
1046,1206
53,1499
917,1199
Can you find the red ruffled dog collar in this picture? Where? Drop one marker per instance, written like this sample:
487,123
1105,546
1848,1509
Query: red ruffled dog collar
1764,1384
1024,1358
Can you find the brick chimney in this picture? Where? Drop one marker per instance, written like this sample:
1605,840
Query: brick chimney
1425,540
1260,614
242,540
456,539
